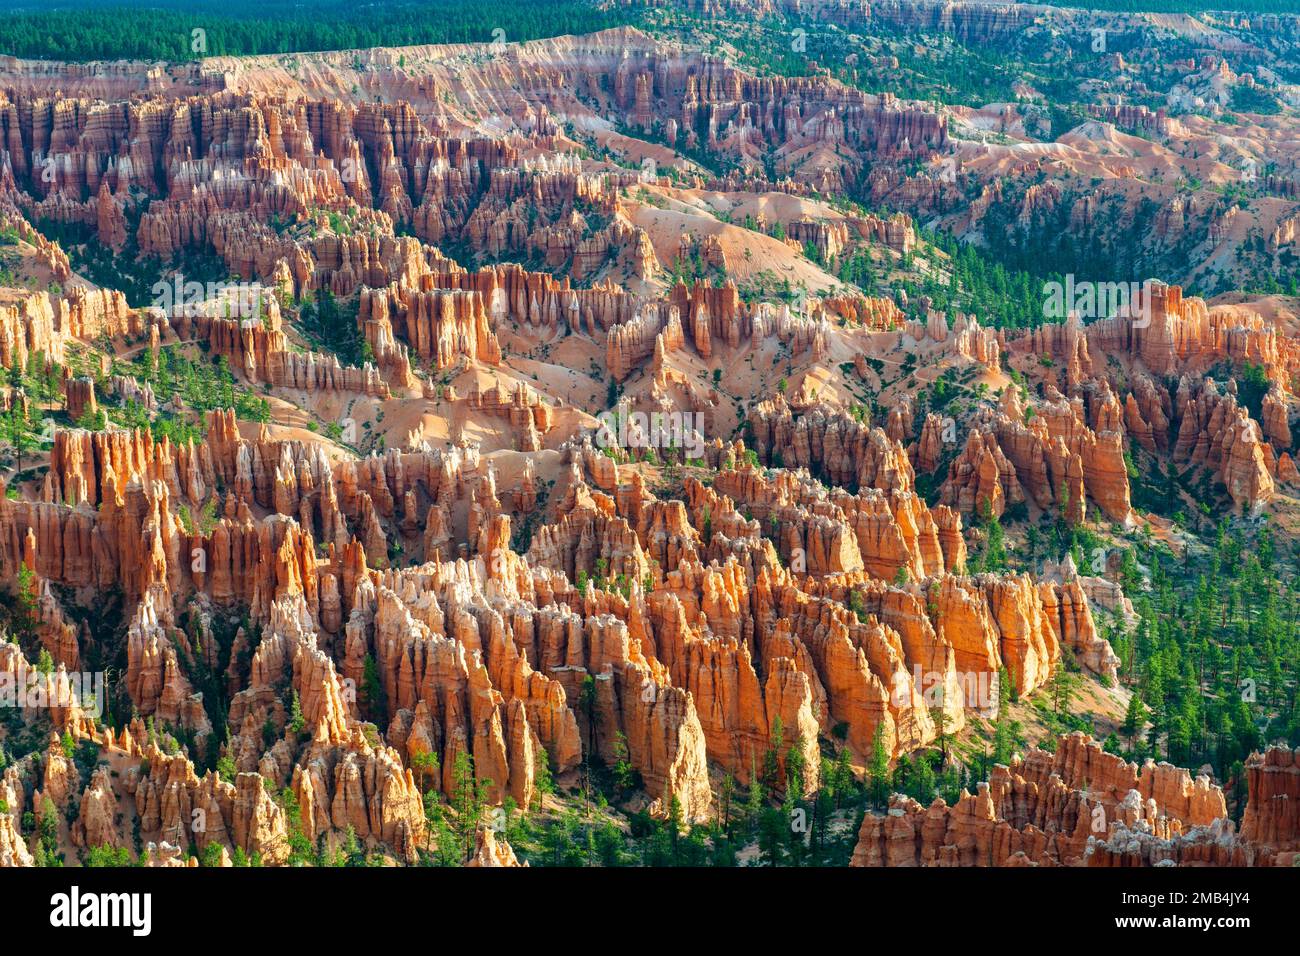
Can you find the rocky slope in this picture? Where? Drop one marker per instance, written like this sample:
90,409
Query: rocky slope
1083,807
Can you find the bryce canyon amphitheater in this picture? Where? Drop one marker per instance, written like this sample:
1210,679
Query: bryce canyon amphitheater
655,446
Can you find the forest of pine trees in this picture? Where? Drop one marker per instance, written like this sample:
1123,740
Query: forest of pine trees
163,29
